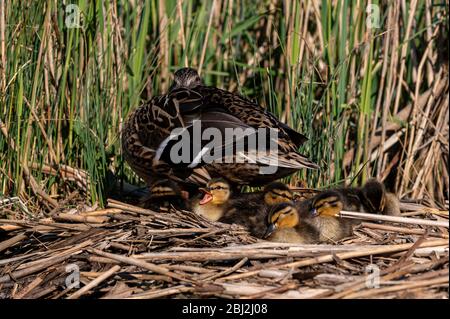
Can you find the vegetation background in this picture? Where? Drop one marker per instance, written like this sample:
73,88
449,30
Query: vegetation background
366,82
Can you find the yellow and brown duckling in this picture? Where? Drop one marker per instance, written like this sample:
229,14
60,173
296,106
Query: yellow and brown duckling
376,199
321,212
164,194
214,200
285,224
371,198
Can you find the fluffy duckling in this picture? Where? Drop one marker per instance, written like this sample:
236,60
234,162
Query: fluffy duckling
163,194
250,209
215,199
321,211
286,225
377,200
371,198
276,193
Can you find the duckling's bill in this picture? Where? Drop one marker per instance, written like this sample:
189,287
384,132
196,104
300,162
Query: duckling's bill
207,196
270,229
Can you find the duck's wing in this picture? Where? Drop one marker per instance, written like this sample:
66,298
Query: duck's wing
211,135
249,112
148,125
219,136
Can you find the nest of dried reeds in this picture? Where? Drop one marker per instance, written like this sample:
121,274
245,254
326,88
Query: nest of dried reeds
125,251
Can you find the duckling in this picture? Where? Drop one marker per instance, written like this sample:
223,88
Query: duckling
285,224
215,199
163,194
321,211
371,198
250,209
377,200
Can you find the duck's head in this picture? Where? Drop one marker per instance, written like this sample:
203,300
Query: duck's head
327,204
373,196
276,193
216,192
283,215
185,78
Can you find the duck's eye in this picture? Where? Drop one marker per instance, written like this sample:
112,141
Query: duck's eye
313,212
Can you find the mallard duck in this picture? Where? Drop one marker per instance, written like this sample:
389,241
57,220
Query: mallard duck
149,140
287,225
150,125
165,193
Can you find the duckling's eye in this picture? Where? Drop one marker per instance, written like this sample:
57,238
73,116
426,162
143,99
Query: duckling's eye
218,188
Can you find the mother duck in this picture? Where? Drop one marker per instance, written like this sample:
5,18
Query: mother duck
166,125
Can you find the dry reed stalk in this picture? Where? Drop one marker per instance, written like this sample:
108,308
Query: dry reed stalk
12,241
95,282
394,219
36,282
227,271
405,286
162,292
343,256
205,42
139,263
80,218
402,230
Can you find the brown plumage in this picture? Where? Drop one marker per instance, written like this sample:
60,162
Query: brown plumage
164,193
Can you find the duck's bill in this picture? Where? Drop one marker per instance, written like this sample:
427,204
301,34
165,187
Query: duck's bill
207,196
270,229
329,213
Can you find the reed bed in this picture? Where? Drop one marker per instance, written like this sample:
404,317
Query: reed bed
125,251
